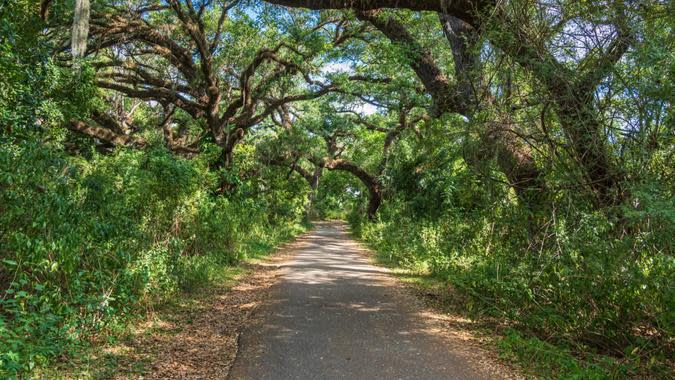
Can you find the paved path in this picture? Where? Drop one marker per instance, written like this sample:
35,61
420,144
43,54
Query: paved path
333,315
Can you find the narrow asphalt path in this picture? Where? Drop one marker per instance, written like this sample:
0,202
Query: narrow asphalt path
333,315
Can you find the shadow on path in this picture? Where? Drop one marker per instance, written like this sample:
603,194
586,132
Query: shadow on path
333,315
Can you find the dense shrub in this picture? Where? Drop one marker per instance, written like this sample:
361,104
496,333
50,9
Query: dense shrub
83,242
578,283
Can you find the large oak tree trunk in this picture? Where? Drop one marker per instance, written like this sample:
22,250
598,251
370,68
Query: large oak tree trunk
572,93
514,157
590,149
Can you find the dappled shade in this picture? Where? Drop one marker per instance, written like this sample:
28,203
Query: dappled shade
518,153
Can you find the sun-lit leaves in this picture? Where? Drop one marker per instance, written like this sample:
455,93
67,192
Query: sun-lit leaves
236,125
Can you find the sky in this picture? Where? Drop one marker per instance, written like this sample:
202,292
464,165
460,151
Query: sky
363,108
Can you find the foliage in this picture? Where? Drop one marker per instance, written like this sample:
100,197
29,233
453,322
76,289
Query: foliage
523,155
84,242
337,192
549,361
576,283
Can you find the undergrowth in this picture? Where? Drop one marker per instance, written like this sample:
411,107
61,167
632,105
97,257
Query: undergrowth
581,305
86,244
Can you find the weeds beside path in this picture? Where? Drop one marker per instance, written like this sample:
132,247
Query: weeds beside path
196,335
192,337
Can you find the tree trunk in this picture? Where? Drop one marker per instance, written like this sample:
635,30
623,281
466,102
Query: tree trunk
572,93
512,155
374,202
589,145
80,28
227,160
314,187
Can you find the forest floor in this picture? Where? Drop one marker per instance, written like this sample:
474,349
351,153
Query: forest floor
317,308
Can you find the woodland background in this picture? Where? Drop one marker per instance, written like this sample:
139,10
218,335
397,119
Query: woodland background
520,151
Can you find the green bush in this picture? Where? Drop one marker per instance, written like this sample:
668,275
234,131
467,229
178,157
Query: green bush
579,284
84,242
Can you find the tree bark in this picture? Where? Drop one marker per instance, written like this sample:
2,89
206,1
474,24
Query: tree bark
374,203
105,135
111,135
464,9
314,188
80,28
590,148
514,158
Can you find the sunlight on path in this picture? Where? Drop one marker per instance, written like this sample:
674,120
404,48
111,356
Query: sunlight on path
333,315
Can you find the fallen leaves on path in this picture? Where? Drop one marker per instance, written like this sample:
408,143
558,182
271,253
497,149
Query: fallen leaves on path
199,341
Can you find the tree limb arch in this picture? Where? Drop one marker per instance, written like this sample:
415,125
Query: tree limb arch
111,137
463,9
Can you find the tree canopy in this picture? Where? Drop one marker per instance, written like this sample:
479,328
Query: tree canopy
521,150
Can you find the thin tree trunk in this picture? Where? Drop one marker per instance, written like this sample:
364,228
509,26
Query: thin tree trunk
80,28
314,187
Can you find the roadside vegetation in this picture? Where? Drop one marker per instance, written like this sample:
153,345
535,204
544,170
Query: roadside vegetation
520,152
